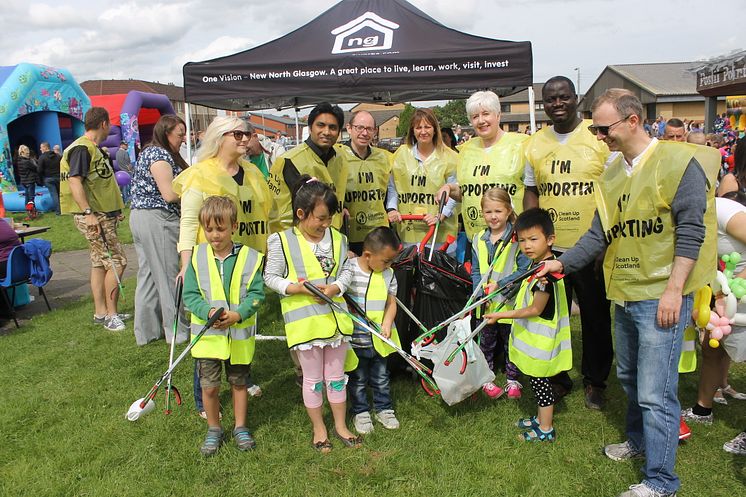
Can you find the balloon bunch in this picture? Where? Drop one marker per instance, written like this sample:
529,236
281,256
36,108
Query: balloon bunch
729,291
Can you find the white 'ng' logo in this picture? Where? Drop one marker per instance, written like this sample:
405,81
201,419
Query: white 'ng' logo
346,42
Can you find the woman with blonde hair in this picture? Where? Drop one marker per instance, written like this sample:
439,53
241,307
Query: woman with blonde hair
28,176
222,170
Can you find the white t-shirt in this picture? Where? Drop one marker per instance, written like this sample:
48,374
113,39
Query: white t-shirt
726,209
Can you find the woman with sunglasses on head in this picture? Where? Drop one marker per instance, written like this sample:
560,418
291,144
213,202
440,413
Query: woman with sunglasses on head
222,170
154,221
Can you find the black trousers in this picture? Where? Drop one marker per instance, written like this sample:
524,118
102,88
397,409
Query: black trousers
595,319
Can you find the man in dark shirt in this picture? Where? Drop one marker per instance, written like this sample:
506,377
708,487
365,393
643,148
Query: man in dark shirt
49,172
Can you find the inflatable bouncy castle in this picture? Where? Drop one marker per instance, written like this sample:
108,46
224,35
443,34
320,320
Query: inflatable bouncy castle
37,104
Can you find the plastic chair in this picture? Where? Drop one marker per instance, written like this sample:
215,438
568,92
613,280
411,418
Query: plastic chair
17,272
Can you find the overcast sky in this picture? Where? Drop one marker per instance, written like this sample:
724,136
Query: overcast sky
151,40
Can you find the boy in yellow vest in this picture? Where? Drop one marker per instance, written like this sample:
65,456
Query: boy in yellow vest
373,288
540,337
228,275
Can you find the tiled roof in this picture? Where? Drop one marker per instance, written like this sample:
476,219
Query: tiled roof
381,116
121,86
661,79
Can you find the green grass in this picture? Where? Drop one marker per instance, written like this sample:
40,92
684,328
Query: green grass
62,231
68,384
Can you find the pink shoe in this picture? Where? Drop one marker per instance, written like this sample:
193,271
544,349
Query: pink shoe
514,389
491,390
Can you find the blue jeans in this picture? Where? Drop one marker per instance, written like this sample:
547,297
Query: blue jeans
30,192
647,367
371,370
53,185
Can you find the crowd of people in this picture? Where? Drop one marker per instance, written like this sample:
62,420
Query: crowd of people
628,217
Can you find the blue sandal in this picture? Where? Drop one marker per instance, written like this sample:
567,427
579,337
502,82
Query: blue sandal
528,423
244,440
539,435
212,442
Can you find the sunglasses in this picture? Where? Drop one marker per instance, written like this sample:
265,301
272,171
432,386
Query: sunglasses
239,134
604,130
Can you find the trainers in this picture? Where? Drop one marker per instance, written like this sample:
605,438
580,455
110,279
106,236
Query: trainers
387,419
594,398
622,452
102,320
244,440
514,389
642,490
362,422
491,390
254,391
114,323
212,442
737,445
688,415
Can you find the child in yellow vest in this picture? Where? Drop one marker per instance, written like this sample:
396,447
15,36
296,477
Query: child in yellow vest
313,251
228,275
373,288
540,336
498,214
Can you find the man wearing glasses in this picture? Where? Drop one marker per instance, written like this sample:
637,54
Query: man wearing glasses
563,164
316,157
368,171
655,217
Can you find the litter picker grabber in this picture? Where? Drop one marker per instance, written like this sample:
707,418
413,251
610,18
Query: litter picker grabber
177,314
362,320
142,406
503,291
113,266
441,205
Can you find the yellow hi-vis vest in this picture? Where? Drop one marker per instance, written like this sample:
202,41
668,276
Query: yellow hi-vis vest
100,185
375,304
252,198
541,347
305,319
237,342
367,180
416,184
481,169
635,212
305,160
504,266
566,176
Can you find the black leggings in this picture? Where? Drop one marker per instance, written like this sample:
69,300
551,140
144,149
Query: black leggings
542,390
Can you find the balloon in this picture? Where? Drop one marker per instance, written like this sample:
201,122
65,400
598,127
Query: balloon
716,334
735,257
714,343
702,304
123,178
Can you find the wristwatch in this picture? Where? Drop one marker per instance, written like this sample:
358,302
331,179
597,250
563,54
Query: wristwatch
87,211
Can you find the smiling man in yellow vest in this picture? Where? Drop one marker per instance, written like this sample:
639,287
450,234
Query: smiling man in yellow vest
655,216
316,157
368,171
563,164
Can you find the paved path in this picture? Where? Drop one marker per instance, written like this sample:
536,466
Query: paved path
70,282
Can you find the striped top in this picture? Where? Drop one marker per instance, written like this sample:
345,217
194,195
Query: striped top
356,290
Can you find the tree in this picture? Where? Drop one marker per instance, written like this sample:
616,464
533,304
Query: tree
452,113
404,118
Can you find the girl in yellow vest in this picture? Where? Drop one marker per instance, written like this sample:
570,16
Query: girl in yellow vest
373,288
223,274
314,251
421,167
540,338
497,211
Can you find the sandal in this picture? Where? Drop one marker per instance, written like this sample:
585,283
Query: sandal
212,442
731,392
325,446
244,440
352,442
528,423
539,435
